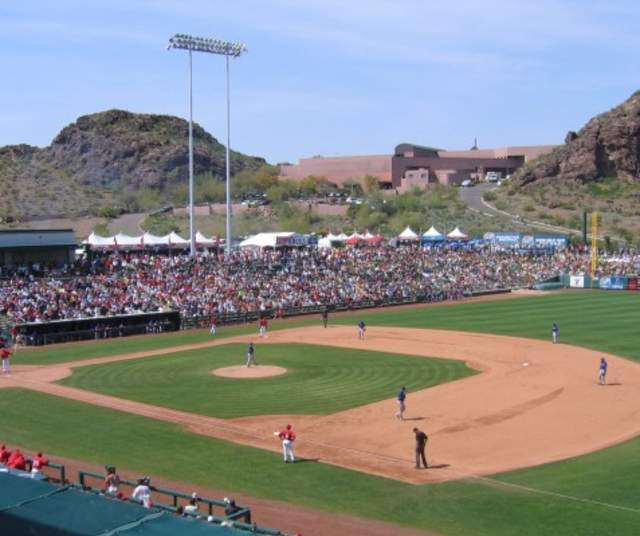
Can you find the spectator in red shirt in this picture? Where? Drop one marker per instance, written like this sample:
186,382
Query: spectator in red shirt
39,461
17,460
4,454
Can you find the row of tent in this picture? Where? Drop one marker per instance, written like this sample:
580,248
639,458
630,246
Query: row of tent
432,235
146,240
264,240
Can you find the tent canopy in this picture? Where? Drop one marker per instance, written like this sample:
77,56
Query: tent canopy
433,235
145,240
407,234
457,234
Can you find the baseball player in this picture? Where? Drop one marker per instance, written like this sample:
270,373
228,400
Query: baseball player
361,329
401,397
555,332
251,355
263,328
602,377
5,354
421,443
325,317
288,436
213,327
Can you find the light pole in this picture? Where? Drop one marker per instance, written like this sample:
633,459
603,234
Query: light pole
226,49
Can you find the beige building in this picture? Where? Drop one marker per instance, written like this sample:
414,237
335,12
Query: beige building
416,165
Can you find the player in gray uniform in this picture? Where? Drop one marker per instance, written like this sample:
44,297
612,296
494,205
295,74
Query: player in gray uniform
251,355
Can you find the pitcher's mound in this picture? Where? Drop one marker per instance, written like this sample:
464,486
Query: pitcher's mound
256,371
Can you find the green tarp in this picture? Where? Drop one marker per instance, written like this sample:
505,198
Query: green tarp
38,508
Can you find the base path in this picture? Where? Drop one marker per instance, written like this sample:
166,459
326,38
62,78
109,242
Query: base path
533,403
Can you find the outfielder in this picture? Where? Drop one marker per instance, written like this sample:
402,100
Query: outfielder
251,355
213,327
288,436
602,377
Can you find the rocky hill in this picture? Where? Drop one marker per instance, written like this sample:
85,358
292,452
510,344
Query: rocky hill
607,146
102,155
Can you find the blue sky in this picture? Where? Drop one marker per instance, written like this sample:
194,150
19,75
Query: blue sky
331,77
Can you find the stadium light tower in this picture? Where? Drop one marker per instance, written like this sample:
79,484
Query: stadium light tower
228,50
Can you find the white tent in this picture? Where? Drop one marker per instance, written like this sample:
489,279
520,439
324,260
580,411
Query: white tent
457,234
149,239
265,240
433,235
126,241
325,242
367,235
204,241
407,235
174,239
341,237
97,241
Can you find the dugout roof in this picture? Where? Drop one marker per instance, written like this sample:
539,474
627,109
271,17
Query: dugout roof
39,508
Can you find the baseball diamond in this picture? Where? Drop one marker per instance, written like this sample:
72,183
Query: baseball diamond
519,402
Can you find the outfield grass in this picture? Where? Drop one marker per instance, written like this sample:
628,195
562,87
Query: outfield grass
604,320
320,380
465,508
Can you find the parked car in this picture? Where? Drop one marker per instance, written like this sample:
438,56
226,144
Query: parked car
467,183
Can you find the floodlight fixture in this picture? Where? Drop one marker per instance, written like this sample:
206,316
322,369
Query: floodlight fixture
228,50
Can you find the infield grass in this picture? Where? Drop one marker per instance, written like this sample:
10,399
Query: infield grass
320,380
492,507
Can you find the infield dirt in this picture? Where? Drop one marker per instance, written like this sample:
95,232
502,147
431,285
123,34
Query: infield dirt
511,416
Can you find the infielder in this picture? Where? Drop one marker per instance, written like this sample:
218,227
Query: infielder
251,355
5,354
555,332
402,395
288,436
602,377
361,329
263,328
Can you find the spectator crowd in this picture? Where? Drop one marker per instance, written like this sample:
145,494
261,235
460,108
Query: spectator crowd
249,281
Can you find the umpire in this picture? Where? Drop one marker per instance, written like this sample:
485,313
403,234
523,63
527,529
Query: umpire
421,443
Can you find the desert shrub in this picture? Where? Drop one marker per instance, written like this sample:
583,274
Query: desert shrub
490,196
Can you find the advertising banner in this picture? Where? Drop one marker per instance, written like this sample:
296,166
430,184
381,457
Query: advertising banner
576,281
613,282
632,283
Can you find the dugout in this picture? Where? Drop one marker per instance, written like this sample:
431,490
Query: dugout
99,327
25,247
40,508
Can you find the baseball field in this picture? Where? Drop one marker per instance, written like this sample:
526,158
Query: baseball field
522,438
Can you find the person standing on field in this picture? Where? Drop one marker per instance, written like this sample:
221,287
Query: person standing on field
325,317
555,332
251,355
362,328
287,436
401,397
263,327
602,377
5,354
213,328
421,443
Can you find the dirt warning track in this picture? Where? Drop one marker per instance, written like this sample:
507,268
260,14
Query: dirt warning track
533,403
